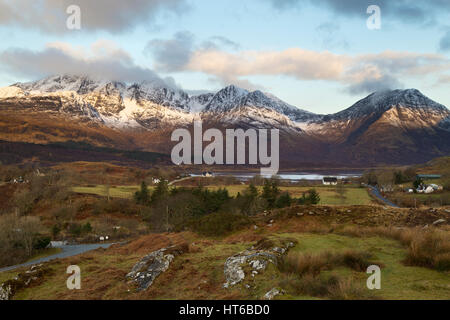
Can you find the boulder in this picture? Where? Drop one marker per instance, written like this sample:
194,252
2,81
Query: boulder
32,276
440,221
152,265
272,294
258,260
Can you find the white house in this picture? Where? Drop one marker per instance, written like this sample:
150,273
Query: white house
330,181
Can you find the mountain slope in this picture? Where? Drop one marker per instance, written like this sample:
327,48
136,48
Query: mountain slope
399,126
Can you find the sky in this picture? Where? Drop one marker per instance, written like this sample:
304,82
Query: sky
319,55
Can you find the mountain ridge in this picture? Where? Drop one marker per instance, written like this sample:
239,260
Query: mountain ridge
399,125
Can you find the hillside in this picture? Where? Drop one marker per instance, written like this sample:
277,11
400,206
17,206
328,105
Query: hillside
390,127
313,236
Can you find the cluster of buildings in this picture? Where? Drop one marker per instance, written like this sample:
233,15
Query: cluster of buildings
427,188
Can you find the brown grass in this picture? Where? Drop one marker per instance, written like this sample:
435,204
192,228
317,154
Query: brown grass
426,247
333,287
312,264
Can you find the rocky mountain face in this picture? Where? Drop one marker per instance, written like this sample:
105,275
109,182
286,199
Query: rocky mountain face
399,126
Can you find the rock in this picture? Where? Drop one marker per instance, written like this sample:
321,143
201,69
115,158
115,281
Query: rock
279,250
300,214
440,221
311,213
447,210
270,225
272,294
233,270
255,227
23,280
152,265
5,292
258,260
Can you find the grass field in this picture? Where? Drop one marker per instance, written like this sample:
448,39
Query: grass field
328,195
198,274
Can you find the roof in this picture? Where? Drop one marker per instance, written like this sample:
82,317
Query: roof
429,176
330,179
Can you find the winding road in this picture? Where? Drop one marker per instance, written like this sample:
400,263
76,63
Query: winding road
378,195
67,251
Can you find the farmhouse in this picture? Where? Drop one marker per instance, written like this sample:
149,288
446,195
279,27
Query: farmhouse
207,174
330,181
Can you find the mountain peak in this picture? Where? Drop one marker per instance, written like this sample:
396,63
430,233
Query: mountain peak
382,101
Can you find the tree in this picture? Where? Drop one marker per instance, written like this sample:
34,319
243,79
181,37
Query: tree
417,182
161,191
314,197
142,196
284,200
249,200
270,192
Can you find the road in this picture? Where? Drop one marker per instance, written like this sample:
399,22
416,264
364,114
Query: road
67,251
378,195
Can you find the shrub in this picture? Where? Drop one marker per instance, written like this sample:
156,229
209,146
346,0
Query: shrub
41,243
75,229
55,230
219,224
430,249
332,287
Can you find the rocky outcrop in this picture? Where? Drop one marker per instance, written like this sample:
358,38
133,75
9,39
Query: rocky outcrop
33,276
273,293
152,265
257,258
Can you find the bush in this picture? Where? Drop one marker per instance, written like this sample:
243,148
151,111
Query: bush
75,229
219,224
430,249
55,230
41,243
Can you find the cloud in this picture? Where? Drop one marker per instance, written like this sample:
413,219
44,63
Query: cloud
105,15
359,73
102,60
172,54
370,85
328,32
407,11
444,45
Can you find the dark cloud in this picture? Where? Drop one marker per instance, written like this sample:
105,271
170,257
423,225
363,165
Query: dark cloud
107,15
374,85
172,55
409,11
112,64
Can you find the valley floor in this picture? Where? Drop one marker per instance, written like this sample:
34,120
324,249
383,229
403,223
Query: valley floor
320,234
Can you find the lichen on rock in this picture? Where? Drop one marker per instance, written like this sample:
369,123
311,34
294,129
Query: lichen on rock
152,265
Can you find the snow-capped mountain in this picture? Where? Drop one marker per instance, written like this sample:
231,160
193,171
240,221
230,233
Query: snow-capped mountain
390,126
153,104
380,102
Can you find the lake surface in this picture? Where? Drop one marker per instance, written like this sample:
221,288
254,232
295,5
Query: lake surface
290,176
